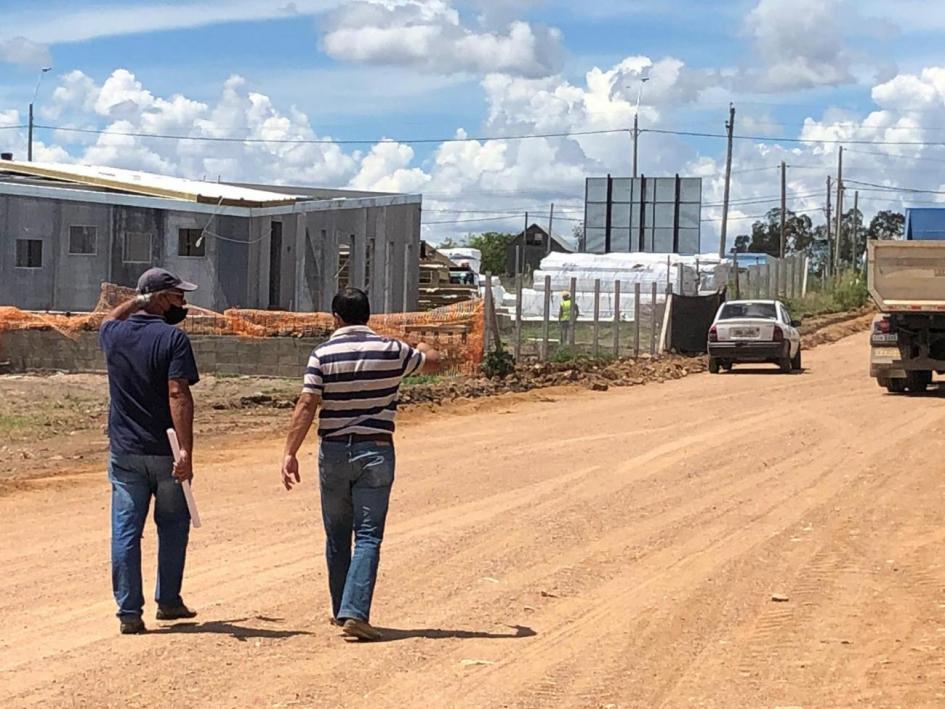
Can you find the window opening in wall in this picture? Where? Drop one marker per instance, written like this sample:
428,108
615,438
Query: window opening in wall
369,264
188,240
275,266
29,253
137,247
82,240
343,272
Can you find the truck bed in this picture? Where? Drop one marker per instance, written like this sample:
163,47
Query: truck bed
907,276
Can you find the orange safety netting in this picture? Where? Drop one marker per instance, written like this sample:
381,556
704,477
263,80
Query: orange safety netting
457,331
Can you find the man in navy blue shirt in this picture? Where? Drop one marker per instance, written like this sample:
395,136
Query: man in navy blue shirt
151,368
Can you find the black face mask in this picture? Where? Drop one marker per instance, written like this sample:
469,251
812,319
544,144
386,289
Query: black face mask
175,314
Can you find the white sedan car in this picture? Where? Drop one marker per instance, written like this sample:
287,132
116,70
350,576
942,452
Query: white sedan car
754,331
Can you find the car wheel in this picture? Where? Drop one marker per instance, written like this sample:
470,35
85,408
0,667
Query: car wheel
918,381
713,365
785,364
894,386
796,360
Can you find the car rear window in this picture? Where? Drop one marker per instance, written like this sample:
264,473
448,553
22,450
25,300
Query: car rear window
765,311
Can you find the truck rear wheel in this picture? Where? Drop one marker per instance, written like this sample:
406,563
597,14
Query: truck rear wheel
918,381
894,386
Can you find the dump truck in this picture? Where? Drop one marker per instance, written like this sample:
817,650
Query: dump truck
906,280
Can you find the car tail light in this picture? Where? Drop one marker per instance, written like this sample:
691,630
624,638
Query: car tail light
713,334
777,335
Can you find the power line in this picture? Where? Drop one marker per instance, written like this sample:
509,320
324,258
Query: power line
328,141
889,188
761,216
896,157
776,139
12,127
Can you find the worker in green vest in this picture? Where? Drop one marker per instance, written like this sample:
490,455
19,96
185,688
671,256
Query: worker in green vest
567,315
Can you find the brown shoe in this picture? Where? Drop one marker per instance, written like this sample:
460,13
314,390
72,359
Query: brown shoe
132,625
361,629
174,612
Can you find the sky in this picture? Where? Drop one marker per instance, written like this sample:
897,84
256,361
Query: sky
433,96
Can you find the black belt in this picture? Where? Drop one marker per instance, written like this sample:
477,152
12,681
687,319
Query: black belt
360,438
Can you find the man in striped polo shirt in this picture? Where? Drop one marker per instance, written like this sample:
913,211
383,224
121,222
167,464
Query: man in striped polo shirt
354,378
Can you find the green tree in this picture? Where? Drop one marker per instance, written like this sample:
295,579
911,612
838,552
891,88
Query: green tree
886,225
846,238
493,245
766,235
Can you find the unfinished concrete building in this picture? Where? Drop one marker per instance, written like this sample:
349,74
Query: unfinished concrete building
65,229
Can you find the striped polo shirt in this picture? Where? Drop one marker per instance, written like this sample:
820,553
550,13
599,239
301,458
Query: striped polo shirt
358,374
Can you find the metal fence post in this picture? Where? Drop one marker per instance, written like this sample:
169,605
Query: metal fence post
617,318
636,320
518,316
573,312
596,317
669,289
545,324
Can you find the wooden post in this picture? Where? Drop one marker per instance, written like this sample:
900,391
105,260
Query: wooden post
735,266
596,317
748,281
487,313
518,314
669,289
636,320
573,314
545,321
491,316
617,318
679,277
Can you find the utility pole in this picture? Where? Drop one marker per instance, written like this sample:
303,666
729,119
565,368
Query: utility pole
728,179
783,205
636,122
856,229
29,140
551,218
838,229
828,265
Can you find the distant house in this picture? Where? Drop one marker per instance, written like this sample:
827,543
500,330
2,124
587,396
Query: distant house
535,244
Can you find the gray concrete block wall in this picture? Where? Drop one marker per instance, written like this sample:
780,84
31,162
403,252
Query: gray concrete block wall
50,351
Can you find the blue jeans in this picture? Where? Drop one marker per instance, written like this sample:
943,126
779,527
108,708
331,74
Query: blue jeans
134,479
355,481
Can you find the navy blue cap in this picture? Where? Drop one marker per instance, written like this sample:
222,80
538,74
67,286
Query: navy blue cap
158,279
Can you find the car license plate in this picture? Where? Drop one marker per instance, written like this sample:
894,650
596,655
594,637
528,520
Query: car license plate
745,332
886,353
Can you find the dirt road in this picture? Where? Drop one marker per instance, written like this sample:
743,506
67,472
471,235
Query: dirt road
568,549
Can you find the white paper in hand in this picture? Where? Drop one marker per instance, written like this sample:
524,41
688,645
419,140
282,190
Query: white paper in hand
188,493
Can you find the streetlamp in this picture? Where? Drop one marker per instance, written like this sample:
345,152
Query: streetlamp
29,144
636,122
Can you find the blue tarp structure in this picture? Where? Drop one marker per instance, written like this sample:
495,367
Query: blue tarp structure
925,223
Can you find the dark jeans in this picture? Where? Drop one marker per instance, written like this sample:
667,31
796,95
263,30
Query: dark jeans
134,479
355,481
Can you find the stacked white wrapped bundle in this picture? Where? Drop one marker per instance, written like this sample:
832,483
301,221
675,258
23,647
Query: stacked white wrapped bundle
629,269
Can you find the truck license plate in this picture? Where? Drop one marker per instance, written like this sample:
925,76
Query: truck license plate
886,353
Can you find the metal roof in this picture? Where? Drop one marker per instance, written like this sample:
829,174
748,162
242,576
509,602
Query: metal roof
150,184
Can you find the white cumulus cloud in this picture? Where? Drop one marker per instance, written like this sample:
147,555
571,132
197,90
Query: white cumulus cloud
430,35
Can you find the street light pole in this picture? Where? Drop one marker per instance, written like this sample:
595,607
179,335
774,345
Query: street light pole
636,122
29,143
